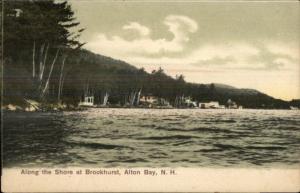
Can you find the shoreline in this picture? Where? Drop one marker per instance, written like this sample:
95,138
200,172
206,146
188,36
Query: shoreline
29,105
48,110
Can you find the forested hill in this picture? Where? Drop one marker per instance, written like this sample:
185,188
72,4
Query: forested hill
89,73
122,78
44,61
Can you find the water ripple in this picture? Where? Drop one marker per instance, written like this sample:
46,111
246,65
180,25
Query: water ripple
153,138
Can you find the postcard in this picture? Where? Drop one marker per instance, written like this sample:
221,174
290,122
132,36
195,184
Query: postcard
150,96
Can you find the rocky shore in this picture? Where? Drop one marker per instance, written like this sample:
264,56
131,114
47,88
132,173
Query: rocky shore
32,106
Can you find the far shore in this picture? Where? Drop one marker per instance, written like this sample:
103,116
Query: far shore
66,108
29,105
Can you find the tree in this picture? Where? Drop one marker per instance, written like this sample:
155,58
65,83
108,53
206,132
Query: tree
212,90
42,28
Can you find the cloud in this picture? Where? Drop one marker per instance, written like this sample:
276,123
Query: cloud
175,53
236,56
142,30
280,48
203,54
217,61
180,26
272,60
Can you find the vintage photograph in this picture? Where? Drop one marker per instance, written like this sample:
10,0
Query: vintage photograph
128,84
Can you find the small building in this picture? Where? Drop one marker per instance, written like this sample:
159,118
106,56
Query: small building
88,101
163,102
231,104
211,105
294,108
153,101
15,13
189,102
234,106
148,99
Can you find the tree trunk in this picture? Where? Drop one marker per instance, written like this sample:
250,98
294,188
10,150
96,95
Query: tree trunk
62,85
44,64
132,98
60,78
138,97
105,99
49,76
33,60
86,90
41,56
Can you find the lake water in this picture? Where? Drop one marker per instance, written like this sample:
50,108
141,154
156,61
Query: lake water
153,138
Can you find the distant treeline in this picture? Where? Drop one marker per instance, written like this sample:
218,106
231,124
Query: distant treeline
44,61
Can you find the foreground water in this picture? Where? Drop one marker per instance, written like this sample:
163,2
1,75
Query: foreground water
153,138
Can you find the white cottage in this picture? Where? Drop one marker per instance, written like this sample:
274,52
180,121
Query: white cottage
210,105
88,101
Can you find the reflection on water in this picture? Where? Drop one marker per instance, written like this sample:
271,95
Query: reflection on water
153,138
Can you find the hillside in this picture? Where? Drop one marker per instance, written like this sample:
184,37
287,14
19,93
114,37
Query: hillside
89,73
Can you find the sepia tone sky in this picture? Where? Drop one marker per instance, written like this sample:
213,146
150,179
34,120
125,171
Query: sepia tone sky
243,44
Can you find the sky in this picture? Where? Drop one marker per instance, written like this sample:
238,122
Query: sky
242,44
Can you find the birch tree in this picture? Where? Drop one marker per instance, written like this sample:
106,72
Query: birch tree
60,83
